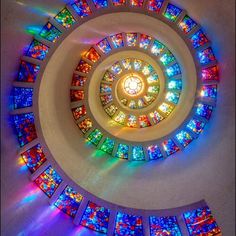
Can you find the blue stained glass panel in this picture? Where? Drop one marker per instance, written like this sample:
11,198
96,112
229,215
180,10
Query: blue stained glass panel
22,97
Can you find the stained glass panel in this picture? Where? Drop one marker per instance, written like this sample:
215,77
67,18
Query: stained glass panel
131,39
126,63
209,91
204,110
167,58
37,50
154,152
79,112
206,56
111,110
105,99
48,181
137,64
155,5
201,222
164,226
196,125
22,97
137,3
173,70
83,67
65,18
104,46
128,225
210,73
170,147
118,2
25,128
116,68
92,55
85,125
95,137
184,138
100,3
120,118
187,24
166,108
82,8
157,48
117,40
34,157
198,39
152,78
132,121
50,32
175,84
96,217
156,117
27,72
105,88
172,97
144,121
172,12
144,41
76,95
122,151
109,77
108,145
78,80
69,201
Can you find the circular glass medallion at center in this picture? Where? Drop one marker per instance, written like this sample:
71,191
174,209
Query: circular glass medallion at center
133,85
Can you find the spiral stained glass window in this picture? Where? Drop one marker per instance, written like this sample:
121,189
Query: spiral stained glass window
184,138
201,222
22,97
108,145
154,152
37,50
128,225
172,12
82,8
34,157
164,226
187,24
24,127
69,201
155,5
79,112
122,151
48,181
27,72
96,217
199,39
50,32
65,18
85,125
170,147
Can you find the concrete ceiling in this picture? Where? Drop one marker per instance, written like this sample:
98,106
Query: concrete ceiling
205,170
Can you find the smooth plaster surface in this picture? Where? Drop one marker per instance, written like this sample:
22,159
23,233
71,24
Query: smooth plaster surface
206,168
